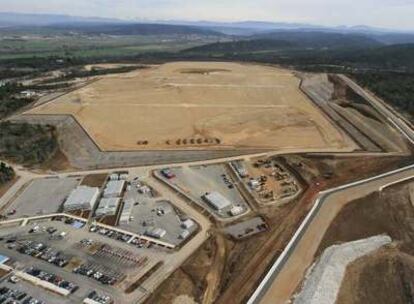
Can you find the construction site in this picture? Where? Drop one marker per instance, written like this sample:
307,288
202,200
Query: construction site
213,182
194,105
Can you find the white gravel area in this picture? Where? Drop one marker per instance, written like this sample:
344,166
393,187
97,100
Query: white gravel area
324,278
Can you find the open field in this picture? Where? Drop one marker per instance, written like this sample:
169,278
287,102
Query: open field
200,106
30,46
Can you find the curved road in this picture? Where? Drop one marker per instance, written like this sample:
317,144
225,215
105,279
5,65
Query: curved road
289,269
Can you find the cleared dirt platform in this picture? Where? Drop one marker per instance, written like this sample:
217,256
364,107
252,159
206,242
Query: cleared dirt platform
195,105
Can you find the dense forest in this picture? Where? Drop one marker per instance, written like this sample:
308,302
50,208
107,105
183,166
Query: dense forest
242,46
395,88
27,144
9,99
6,173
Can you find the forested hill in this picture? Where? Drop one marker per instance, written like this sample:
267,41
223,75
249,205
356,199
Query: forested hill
242,46
393,57
318,39
303,41
132,29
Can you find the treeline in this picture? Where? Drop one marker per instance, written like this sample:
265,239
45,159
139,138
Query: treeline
9,101
80,72
6,173
27,144
395,88
12,73
241,46
348,57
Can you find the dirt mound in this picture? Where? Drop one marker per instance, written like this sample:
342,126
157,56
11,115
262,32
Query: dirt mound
202,71
390,212
382,278
386,276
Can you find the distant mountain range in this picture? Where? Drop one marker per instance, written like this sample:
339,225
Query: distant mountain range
306,34
16,19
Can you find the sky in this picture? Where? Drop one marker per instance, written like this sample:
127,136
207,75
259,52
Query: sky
396,14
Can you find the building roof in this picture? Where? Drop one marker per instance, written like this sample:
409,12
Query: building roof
184,234
3,259
82,195
108,205
188,223
217,200
114,187
155,232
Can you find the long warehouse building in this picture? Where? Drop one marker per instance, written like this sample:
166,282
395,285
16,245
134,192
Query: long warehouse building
217,201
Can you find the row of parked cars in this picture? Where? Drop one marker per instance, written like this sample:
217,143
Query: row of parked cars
43,252
15,296
52,278
116,235
99,298
89,271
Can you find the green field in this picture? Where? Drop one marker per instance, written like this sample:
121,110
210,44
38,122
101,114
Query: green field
93,46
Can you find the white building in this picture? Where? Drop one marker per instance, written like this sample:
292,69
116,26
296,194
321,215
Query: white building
155,232
236,210
108,206
114,177
127,211
217,201
187,224
83,197
183,235
28,93
114,188
254,184
123,176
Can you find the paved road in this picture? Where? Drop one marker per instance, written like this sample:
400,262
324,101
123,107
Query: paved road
288,270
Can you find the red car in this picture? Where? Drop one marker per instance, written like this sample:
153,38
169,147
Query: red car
167,173
11,212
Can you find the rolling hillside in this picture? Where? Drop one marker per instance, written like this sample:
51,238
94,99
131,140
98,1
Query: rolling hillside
316,39
242,46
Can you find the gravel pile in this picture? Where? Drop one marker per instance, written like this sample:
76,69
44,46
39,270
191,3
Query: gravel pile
324,278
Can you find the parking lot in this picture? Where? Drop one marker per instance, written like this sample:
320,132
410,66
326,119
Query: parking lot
25,293
42,196
196,181
90,260
145,211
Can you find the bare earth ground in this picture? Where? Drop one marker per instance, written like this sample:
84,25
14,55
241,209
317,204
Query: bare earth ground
246,261
59,162
195,105
190,279
292,273
384,277
388,272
